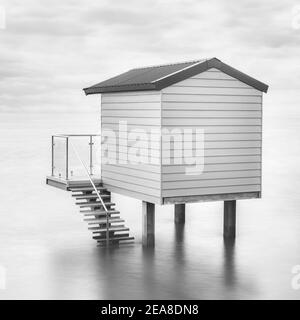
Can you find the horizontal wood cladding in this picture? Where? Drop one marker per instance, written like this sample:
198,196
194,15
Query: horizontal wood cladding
138,181
140,110
207,129
219,144
212,175
210,183
214,160
229,113
130,113
213,167
125,106
210,106
133,120
198,122
207,98
236,91
209,82
130,193
211,113
133,170
212,136
131,98
226,110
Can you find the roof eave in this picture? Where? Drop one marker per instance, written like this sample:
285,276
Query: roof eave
122,88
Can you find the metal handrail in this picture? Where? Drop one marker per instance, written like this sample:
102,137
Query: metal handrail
100,198
75,135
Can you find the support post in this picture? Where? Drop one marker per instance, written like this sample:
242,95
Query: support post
91,155
229,219
148,224
179,213
52,156
67,158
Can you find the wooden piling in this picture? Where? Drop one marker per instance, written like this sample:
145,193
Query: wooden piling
179,213
148,224
229,226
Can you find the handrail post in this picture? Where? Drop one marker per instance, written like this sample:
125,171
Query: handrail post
52,156
91,155
67,158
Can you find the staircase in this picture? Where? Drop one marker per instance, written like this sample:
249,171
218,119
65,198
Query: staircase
106,226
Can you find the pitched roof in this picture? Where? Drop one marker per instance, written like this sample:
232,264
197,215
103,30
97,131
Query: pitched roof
162,76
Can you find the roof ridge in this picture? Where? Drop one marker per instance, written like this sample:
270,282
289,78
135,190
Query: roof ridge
170,64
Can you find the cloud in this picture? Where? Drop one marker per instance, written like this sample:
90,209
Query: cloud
50,51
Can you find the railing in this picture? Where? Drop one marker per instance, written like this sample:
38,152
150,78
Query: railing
97,193
64,165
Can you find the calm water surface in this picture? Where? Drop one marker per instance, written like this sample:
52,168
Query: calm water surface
49,254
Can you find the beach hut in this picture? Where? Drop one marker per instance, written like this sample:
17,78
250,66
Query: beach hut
181,133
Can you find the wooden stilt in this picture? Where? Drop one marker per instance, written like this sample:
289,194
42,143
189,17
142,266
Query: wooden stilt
148,224
179,213
229,219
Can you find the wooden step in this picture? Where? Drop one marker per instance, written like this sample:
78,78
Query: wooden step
93,228
100,211
103,221
99,214
96,229
91,196
94,204
115,229
116,239
111,237
86,188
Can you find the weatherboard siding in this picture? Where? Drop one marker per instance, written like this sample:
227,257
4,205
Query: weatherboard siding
229,111
140,110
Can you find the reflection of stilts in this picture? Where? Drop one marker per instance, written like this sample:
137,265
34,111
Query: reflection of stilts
179,219
229,262
179,233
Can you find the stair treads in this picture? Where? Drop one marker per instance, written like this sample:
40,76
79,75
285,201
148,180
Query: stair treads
98,219
100,211
86,188
91,196
111,237
115,229
102,221
99,214
116,239
96,229
94,204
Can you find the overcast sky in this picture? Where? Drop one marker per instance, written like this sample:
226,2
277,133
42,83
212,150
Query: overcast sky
50,50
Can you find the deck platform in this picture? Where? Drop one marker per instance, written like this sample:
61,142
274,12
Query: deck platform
72,182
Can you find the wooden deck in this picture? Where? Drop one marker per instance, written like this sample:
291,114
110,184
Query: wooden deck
72,182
